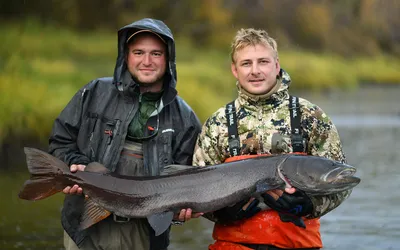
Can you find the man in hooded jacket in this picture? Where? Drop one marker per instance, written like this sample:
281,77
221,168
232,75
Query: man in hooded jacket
134,124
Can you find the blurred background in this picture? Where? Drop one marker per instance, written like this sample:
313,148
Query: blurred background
342,55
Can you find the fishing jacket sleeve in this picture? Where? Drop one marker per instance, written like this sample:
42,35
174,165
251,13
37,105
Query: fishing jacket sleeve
65,131
185,141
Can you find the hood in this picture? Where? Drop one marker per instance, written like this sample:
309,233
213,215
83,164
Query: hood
122,78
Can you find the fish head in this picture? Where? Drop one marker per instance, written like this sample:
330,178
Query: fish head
317,175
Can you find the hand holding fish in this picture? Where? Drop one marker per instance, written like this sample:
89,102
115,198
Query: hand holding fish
276,193
75,189
291,204
240,211
186,215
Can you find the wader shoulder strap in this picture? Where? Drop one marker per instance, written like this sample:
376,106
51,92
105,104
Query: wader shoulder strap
234,143
298,141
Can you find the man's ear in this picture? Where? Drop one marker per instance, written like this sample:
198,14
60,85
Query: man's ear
278,65
234,70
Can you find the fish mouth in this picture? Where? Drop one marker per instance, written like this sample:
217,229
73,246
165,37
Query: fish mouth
343,174
337,180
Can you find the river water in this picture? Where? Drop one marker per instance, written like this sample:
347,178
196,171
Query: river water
368,121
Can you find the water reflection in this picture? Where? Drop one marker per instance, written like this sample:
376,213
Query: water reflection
368,220
366,121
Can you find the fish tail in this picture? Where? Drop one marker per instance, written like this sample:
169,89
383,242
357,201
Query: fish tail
45,170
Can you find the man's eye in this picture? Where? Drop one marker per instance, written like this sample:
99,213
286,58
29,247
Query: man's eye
137,53
245,64
157,54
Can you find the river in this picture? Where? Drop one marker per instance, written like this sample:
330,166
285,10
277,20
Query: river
368,121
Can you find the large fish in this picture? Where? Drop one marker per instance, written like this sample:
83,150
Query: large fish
202,189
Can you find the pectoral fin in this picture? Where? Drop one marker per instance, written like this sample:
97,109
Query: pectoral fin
160,222
96,167
92,213
179,169
262,187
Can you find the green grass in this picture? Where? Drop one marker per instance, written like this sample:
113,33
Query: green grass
42,67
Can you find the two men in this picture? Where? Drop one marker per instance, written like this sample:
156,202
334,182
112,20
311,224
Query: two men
265,119
134,124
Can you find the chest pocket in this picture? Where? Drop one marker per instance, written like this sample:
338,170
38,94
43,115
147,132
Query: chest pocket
280,143
102,131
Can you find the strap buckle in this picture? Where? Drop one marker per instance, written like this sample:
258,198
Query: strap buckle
234,146
120,219
299,144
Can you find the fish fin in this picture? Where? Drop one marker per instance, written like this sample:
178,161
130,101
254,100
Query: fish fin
38,188
44,169
175,169
96,167
262,187
298,221
160,222
42,163
92,213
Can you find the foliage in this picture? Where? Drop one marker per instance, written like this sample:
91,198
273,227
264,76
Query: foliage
360,27
307,32
41,67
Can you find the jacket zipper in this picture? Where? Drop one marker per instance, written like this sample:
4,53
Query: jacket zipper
113,165
91,156
111,133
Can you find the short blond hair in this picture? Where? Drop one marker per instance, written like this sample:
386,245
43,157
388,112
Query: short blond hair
252,37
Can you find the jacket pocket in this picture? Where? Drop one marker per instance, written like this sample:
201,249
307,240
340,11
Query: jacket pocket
111,131
100,135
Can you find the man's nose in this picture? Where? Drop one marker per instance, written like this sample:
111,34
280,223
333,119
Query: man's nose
255,69
147,59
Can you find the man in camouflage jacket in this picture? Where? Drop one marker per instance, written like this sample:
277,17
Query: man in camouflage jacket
264,126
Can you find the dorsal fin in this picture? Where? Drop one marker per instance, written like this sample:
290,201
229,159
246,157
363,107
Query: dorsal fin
92,213
175,169
96,167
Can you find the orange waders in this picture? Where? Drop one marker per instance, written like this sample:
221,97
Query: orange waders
265,228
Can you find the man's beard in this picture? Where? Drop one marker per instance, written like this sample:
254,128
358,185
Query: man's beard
147,84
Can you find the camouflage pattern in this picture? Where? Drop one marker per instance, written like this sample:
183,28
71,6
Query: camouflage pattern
264,128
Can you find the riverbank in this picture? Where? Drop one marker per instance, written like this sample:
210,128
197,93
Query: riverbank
42,67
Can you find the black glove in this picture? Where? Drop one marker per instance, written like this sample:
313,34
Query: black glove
291,207
236,212
298,204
